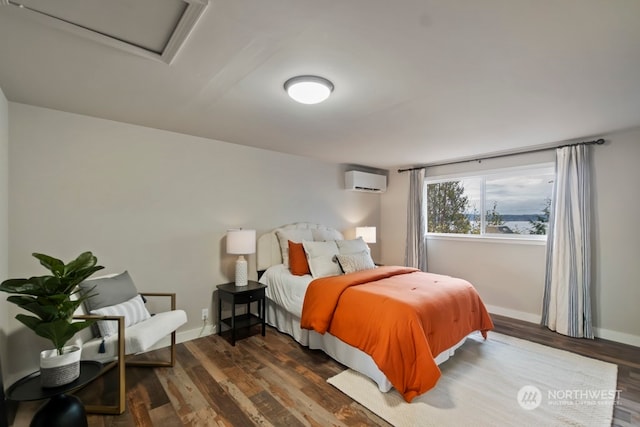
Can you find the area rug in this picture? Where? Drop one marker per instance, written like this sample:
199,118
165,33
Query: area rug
503,381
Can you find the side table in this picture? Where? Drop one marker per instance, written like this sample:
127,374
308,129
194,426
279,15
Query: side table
61,410
253,292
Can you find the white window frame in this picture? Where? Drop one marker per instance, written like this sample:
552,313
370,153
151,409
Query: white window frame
484,175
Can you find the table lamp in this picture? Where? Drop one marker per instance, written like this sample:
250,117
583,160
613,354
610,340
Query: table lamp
241,242
368,234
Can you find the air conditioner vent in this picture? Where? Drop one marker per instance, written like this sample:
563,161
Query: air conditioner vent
365,181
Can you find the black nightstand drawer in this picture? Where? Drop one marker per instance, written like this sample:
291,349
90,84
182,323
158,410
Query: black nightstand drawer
246,297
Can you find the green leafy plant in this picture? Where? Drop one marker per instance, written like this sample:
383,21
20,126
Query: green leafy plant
49,297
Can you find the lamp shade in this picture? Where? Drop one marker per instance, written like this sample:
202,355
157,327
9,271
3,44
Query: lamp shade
241,242
368,234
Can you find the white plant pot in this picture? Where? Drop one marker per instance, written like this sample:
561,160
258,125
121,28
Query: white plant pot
57,370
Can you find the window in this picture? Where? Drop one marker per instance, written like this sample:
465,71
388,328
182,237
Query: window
512,202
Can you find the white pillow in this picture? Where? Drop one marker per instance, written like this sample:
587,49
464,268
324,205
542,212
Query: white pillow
323,234
296,236
351,263
133,311
322,258
354,246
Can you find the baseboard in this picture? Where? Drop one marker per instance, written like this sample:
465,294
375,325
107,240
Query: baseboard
605,334
192,334
514,314
616,336
183,336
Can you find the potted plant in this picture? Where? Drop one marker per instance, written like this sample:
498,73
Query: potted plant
49,298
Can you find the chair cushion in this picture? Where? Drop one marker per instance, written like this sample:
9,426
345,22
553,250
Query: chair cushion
138,338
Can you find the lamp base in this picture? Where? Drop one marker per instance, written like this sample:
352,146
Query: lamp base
241,272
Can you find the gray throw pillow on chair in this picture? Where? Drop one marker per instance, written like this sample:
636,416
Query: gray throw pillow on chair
108,290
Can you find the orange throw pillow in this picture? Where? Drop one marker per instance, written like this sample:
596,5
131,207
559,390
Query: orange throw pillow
298,259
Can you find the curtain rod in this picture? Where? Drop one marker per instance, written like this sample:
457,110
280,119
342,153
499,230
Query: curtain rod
496,156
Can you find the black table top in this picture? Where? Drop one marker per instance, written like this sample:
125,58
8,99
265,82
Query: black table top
232,288
29,388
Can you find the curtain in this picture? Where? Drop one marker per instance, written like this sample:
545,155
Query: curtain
416,251
566,306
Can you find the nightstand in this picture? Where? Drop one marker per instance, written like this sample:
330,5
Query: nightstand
253,292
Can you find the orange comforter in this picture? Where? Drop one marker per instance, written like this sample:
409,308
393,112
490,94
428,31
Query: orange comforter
400,316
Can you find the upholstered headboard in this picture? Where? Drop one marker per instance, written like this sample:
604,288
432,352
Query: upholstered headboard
268,250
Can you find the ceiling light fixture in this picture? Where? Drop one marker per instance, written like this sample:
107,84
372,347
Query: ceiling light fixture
308,89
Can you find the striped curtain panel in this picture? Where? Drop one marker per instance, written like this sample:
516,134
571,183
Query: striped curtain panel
567,303
416,251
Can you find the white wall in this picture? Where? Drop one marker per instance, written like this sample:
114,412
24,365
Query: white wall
617,248
157,203
510,276
393,219
4,226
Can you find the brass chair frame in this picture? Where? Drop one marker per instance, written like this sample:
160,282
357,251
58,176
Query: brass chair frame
120,406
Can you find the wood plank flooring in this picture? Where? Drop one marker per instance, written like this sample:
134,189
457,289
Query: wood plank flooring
273,381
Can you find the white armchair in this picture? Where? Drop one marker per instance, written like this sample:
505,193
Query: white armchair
130,337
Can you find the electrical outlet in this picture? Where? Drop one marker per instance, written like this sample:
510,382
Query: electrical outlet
205,313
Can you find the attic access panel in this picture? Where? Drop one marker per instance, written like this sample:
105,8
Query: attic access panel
156,28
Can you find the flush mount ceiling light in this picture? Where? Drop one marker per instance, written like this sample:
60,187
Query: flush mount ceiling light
308,89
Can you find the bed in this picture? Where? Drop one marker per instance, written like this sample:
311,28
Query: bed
288,294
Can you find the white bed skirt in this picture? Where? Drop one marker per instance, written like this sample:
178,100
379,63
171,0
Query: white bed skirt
349,356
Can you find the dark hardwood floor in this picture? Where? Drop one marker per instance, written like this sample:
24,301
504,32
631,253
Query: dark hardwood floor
274,381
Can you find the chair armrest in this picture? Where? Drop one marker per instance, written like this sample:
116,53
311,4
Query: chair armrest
171,295
120,319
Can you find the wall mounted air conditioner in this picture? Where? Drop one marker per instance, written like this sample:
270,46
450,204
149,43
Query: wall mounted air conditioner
365,181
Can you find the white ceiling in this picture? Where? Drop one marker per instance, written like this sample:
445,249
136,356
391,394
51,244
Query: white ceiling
144,23
416,81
